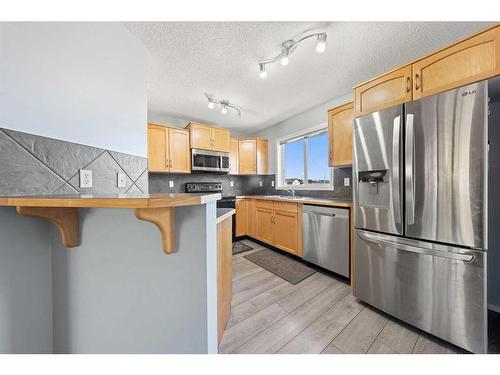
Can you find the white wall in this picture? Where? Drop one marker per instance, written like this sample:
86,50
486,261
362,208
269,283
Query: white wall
79,82
303,121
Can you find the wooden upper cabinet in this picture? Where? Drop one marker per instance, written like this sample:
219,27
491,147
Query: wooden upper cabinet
221,140
468,61
209,138
201,136
253,155
262,156
340,135
168,149
247,153
233,156
180,158
385,91
157,148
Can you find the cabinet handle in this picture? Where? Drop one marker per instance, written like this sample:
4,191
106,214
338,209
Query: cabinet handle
408,84
417,82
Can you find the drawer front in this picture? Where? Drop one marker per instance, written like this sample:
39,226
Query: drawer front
286,206
261,203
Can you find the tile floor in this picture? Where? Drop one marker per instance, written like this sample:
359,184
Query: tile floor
317,315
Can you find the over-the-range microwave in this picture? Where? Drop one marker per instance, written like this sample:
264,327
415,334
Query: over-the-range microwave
209,161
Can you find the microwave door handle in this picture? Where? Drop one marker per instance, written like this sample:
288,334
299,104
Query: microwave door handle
396,187
414,249
410,169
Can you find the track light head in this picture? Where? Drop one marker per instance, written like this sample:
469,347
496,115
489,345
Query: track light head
262,73
211,104
223,108
285,51
321,46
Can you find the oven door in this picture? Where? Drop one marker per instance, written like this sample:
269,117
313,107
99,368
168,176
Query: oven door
205,161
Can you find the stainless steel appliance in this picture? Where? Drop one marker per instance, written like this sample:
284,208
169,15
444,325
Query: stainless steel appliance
325,236
209,161
420,199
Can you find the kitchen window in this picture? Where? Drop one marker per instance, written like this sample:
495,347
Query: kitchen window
303,162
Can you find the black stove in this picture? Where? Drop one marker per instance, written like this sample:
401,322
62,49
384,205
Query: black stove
227,201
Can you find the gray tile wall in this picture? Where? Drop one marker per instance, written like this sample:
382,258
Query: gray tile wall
31,164
246,185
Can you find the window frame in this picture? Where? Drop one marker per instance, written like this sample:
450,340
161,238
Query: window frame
280,173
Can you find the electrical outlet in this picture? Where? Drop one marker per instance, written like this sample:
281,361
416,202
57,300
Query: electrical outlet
85,178
272,183
171,184
121,180
347,181
231,183
260,183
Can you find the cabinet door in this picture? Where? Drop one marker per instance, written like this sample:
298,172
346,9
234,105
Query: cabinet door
224,274
248,156
262,156
386,91
157,148
180,160
221,140
251,217
471,60
340,135
264,225
286,231
201,136
241,217
233,157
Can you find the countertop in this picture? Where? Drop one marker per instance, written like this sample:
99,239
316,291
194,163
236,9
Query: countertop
109,200
303,200
224,213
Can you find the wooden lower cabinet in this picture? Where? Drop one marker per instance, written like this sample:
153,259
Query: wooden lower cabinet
241,217
264,225
224,274
251,217
288,232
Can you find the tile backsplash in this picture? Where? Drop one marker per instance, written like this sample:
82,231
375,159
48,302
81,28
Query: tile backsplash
247,185
32,164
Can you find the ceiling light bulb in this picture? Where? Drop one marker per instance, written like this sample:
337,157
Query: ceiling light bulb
263,73
321,46
284,61
223,110
211,105
284,55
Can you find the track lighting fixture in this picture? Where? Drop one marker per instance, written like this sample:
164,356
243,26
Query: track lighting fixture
288,47
224,105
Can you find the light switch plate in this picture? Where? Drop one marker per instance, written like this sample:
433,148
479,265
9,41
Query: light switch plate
85,178
171,184
121,180
231,183
347,181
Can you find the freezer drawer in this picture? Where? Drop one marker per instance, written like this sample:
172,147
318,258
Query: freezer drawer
439,289
325,237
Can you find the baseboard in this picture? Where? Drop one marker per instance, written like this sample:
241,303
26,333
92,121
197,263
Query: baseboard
494,308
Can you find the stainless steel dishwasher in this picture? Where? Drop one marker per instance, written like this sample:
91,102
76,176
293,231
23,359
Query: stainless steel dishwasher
325,236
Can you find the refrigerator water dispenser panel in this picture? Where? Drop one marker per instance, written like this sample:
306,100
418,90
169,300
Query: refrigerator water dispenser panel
374,188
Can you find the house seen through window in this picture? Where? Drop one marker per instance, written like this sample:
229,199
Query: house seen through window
304,162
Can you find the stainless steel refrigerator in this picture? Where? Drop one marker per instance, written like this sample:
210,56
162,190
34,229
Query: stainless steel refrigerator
420,198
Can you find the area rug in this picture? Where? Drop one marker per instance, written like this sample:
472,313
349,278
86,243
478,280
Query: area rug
286,268
239,247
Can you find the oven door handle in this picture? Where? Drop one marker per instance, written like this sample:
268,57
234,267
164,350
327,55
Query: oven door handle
414,249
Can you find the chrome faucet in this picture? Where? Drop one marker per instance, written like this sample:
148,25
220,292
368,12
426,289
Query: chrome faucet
292,192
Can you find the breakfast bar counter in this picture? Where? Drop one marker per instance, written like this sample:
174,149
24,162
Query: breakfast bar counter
81,273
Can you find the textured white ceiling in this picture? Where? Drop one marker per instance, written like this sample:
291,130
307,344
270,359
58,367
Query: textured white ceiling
220,58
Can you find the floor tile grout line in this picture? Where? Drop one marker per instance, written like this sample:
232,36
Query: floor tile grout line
257,283
379,335
289,314
320,315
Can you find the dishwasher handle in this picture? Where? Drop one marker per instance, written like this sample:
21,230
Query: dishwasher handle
320,214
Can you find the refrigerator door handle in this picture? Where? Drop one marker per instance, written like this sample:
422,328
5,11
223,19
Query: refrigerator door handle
413,249
409,169
396,188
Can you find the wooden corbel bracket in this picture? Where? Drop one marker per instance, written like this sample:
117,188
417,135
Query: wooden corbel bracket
66,219
163,218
